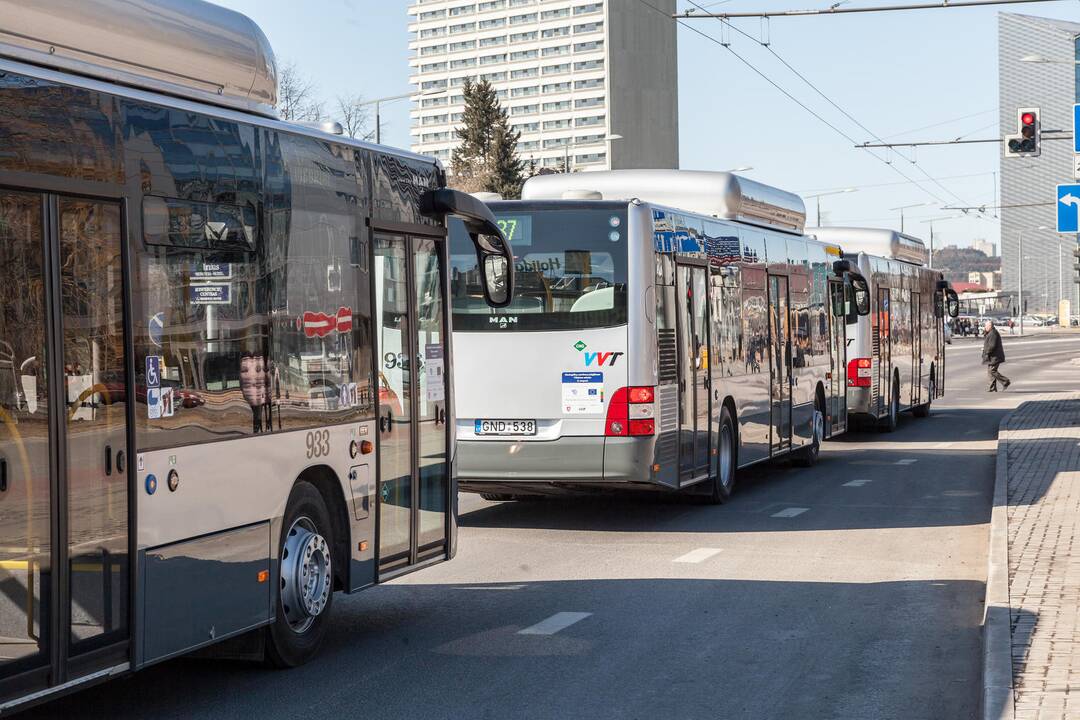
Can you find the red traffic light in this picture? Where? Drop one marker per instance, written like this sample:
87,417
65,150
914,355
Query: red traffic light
1027,118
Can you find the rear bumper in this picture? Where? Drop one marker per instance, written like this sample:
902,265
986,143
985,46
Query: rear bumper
567,460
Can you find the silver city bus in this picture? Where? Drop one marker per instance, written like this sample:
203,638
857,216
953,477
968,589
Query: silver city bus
896,355
196,443
668,328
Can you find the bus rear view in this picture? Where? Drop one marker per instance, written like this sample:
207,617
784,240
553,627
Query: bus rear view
536,379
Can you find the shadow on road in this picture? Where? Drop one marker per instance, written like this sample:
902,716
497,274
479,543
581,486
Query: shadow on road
652,648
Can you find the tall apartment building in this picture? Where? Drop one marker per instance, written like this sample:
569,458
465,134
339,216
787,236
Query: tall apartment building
1028,184
592,82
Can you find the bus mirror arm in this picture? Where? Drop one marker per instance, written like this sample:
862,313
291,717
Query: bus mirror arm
494,255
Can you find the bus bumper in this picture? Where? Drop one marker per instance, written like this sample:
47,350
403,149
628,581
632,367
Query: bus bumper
567,460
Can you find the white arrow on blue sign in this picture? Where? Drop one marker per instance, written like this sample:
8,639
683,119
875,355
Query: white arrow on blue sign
1068,208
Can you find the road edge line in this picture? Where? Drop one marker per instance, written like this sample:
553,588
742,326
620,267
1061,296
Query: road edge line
998,700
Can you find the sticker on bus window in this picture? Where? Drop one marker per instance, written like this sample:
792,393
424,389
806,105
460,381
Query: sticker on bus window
433,369
583,393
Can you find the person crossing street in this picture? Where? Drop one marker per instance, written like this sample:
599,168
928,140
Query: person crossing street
993,355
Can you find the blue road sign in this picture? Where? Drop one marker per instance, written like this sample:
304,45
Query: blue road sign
1068,207
1076,124
156,328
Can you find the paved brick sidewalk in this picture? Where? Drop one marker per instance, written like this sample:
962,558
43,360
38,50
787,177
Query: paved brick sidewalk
1041,445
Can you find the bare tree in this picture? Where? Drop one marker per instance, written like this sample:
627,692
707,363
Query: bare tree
354,116
297,100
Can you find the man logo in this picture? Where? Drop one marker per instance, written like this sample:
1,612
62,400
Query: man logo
503,321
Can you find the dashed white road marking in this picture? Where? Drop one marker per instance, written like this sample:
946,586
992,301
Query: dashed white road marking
696,556
491,587
907,461
971,432
555,623
943,445
790,512
856,483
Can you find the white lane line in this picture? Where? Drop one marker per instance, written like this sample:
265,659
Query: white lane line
943,445
696,556
856,483
555,623
906,461
790,512
491,587
971,432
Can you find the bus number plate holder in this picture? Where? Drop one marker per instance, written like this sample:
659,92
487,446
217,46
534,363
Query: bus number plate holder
505,427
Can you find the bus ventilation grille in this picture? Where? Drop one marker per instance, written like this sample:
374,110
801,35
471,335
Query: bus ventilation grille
875,391
668,366
667,441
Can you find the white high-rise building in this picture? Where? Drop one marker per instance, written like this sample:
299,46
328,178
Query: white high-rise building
592,82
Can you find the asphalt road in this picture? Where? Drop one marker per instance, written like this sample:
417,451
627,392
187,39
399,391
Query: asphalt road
850,590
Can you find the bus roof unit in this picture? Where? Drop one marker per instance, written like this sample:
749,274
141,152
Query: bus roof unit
187,48
875,241
719,194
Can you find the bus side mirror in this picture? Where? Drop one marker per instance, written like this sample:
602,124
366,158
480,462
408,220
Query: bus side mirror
497,280
862,296
952,303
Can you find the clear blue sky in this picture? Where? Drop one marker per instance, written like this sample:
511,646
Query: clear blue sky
893,72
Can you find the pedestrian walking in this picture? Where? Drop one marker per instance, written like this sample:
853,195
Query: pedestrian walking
993,355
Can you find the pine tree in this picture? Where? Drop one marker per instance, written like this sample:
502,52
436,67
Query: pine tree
487,159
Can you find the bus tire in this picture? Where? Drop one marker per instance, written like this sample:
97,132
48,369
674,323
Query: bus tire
497,497
305,579
888,423
923,410
723,481
808,456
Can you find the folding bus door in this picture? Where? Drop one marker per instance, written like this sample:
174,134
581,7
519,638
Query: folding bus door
413,475
780,362
64,470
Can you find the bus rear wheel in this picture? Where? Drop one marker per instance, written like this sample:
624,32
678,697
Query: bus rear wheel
892,417
723,481
305,588
808,456
921,411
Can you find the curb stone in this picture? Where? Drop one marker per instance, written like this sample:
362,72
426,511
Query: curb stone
997,691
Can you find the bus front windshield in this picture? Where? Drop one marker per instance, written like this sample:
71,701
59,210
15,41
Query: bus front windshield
570,271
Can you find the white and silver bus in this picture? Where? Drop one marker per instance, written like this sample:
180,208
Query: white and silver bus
896,355
195,441
668,328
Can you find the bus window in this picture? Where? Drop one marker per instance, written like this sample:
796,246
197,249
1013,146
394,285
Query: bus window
570,272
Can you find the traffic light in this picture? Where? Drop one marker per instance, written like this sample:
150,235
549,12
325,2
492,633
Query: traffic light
1027,142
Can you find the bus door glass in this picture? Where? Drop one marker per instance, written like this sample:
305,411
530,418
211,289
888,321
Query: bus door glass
694,368
883,350
838,353
780,361
916,349
413,453
63,440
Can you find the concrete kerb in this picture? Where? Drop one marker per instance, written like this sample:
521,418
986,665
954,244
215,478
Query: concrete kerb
998,702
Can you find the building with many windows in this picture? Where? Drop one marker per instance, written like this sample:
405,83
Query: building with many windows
585,83
1028,183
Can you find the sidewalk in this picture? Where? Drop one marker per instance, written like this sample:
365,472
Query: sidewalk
1035,534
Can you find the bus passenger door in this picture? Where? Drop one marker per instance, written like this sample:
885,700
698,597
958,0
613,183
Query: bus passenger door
694,379
780,362
65,398
916,350
414,469
883,351
837,404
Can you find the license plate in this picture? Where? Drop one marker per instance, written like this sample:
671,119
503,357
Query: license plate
505,427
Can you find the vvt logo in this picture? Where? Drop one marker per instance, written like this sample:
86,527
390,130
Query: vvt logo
597,358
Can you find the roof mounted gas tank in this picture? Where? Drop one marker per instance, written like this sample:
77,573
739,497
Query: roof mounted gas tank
875,241
187,48
719,194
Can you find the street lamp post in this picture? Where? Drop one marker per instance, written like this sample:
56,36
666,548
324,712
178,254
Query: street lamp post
1020,275
571,144
902,208
377,102
818,196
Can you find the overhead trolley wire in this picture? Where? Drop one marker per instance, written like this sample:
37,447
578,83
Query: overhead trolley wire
794,99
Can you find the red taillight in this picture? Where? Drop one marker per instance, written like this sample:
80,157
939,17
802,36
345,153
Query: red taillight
859,372
630,412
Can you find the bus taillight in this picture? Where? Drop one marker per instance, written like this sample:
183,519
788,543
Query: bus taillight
859,373
631,412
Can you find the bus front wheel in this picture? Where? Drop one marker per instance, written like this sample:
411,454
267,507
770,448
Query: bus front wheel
305,585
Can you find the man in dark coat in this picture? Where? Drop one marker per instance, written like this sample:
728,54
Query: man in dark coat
993,355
